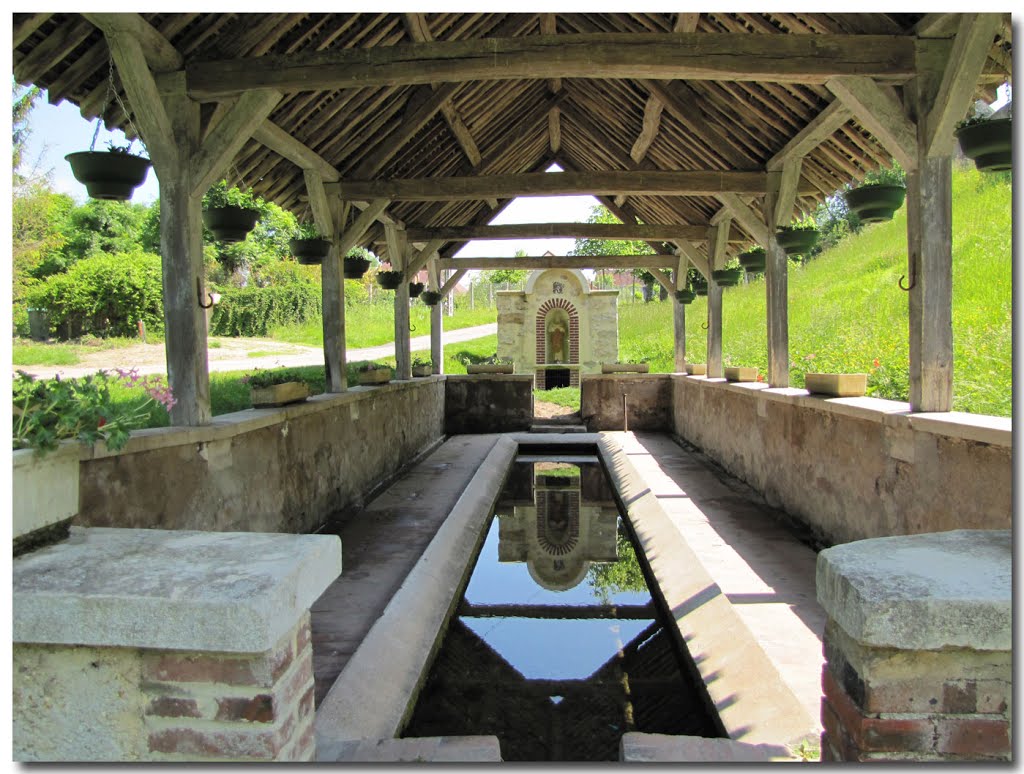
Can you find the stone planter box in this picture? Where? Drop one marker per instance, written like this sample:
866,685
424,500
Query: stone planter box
422,370
376,376
697,369
625,368
741,374
839,385
279,394
45,496
489,368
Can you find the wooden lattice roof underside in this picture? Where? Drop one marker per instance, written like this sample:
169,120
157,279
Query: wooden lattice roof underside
491,127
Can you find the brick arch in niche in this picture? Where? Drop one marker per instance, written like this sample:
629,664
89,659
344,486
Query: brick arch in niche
574,340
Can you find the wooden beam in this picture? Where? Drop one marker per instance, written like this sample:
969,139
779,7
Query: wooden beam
714,306
649,130
355,232
717,254
229,135
643,183
821,127
811,59
878,111
409,126
785,200
689,252
419,260
451,282
624,231
776,294
749,220
959,80
549,26
436,318
555,129
398,255
461,133
936,25
278,140
663,279
327,216
686,22
659,261
24,29
160,54
150,114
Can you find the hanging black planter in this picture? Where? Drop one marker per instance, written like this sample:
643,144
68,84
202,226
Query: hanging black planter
309,252
415,288
108,175
230,223
430,297
753,261
685,296
727,277
389,280
700,286
355,268
875,203
796,241
988,143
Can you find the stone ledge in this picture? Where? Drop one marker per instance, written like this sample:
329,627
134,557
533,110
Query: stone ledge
981,428
662,748
922,592
428,749
233,592
226,426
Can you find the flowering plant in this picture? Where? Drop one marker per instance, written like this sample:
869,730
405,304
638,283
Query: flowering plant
270,378
48,411
367,367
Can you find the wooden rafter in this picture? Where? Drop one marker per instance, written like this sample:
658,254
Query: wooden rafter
695,56
881,113
563,262
645,231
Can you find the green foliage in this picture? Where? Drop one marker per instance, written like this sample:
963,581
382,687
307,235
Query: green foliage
307,230
609,578
48,411
32,353
505,276
23,102
362,252
269,377
37,224
222,195
253,311
894,175
476,350
100,226
256,255
560,396
106,295
601,214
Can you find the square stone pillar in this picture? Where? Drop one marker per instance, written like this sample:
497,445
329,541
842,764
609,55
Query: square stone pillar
918,648
161,645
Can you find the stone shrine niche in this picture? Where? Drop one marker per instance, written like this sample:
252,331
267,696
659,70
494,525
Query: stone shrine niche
558,327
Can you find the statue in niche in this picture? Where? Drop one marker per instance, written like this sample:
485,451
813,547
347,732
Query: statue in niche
557,349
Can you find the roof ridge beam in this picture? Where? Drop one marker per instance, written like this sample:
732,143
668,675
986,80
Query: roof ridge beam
643,231
644,261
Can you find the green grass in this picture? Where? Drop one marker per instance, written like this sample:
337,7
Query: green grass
846,311
26,353
560,396
368,325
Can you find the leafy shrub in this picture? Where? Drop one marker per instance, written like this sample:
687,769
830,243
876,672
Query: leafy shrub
253,311
106,295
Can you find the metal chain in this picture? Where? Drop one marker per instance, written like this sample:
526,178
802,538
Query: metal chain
112,90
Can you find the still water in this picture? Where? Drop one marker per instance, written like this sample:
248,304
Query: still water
556,646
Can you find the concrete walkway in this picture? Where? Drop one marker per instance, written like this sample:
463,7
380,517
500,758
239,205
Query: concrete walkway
380,544
765,572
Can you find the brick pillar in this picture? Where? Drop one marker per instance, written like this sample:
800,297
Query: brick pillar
917,648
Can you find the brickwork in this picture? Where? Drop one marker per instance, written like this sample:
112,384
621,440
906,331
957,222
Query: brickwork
220,707
897,705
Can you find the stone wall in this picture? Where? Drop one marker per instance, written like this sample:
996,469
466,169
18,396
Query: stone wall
852,468
264,470
158,645
488,403
918,648
648,401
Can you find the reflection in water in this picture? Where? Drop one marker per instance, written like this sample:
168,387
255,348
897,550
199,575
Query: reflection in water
555,667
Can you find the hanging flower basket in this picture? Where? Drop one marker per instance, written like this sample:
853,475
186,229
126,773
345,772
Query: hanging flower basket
700,286
685,296
875,203
355,268
430,297
415,288
309,252
796,241
727,277
389,280
753,261
230,223
110,175
989,143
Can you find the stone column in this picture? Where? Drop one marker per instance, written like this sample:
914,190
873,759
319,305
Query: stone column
918,647
162,645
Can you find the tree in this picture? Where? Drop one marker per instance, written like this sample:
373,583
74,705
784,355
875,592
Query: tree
601,214
24,101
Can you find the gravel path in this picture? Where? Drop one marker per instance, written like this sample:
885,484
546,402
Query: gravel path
240,354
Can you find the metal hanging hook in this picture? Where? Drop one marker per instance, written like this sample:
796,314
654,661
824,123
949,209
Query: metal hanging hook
199,295
704,327
908,288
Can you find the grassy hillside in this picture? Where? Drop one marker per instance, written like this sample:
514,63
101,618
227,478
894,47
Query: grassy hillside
846,312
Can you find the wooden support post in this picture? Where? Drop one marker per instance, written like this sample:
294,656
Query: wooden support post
679,319
930,257
436,318
398,252
327,214
716,260
776,285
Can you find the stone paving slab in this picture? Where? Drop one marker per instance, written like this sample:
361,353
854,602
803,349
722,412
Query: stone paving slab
381,544
662,748
427,749
762,568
